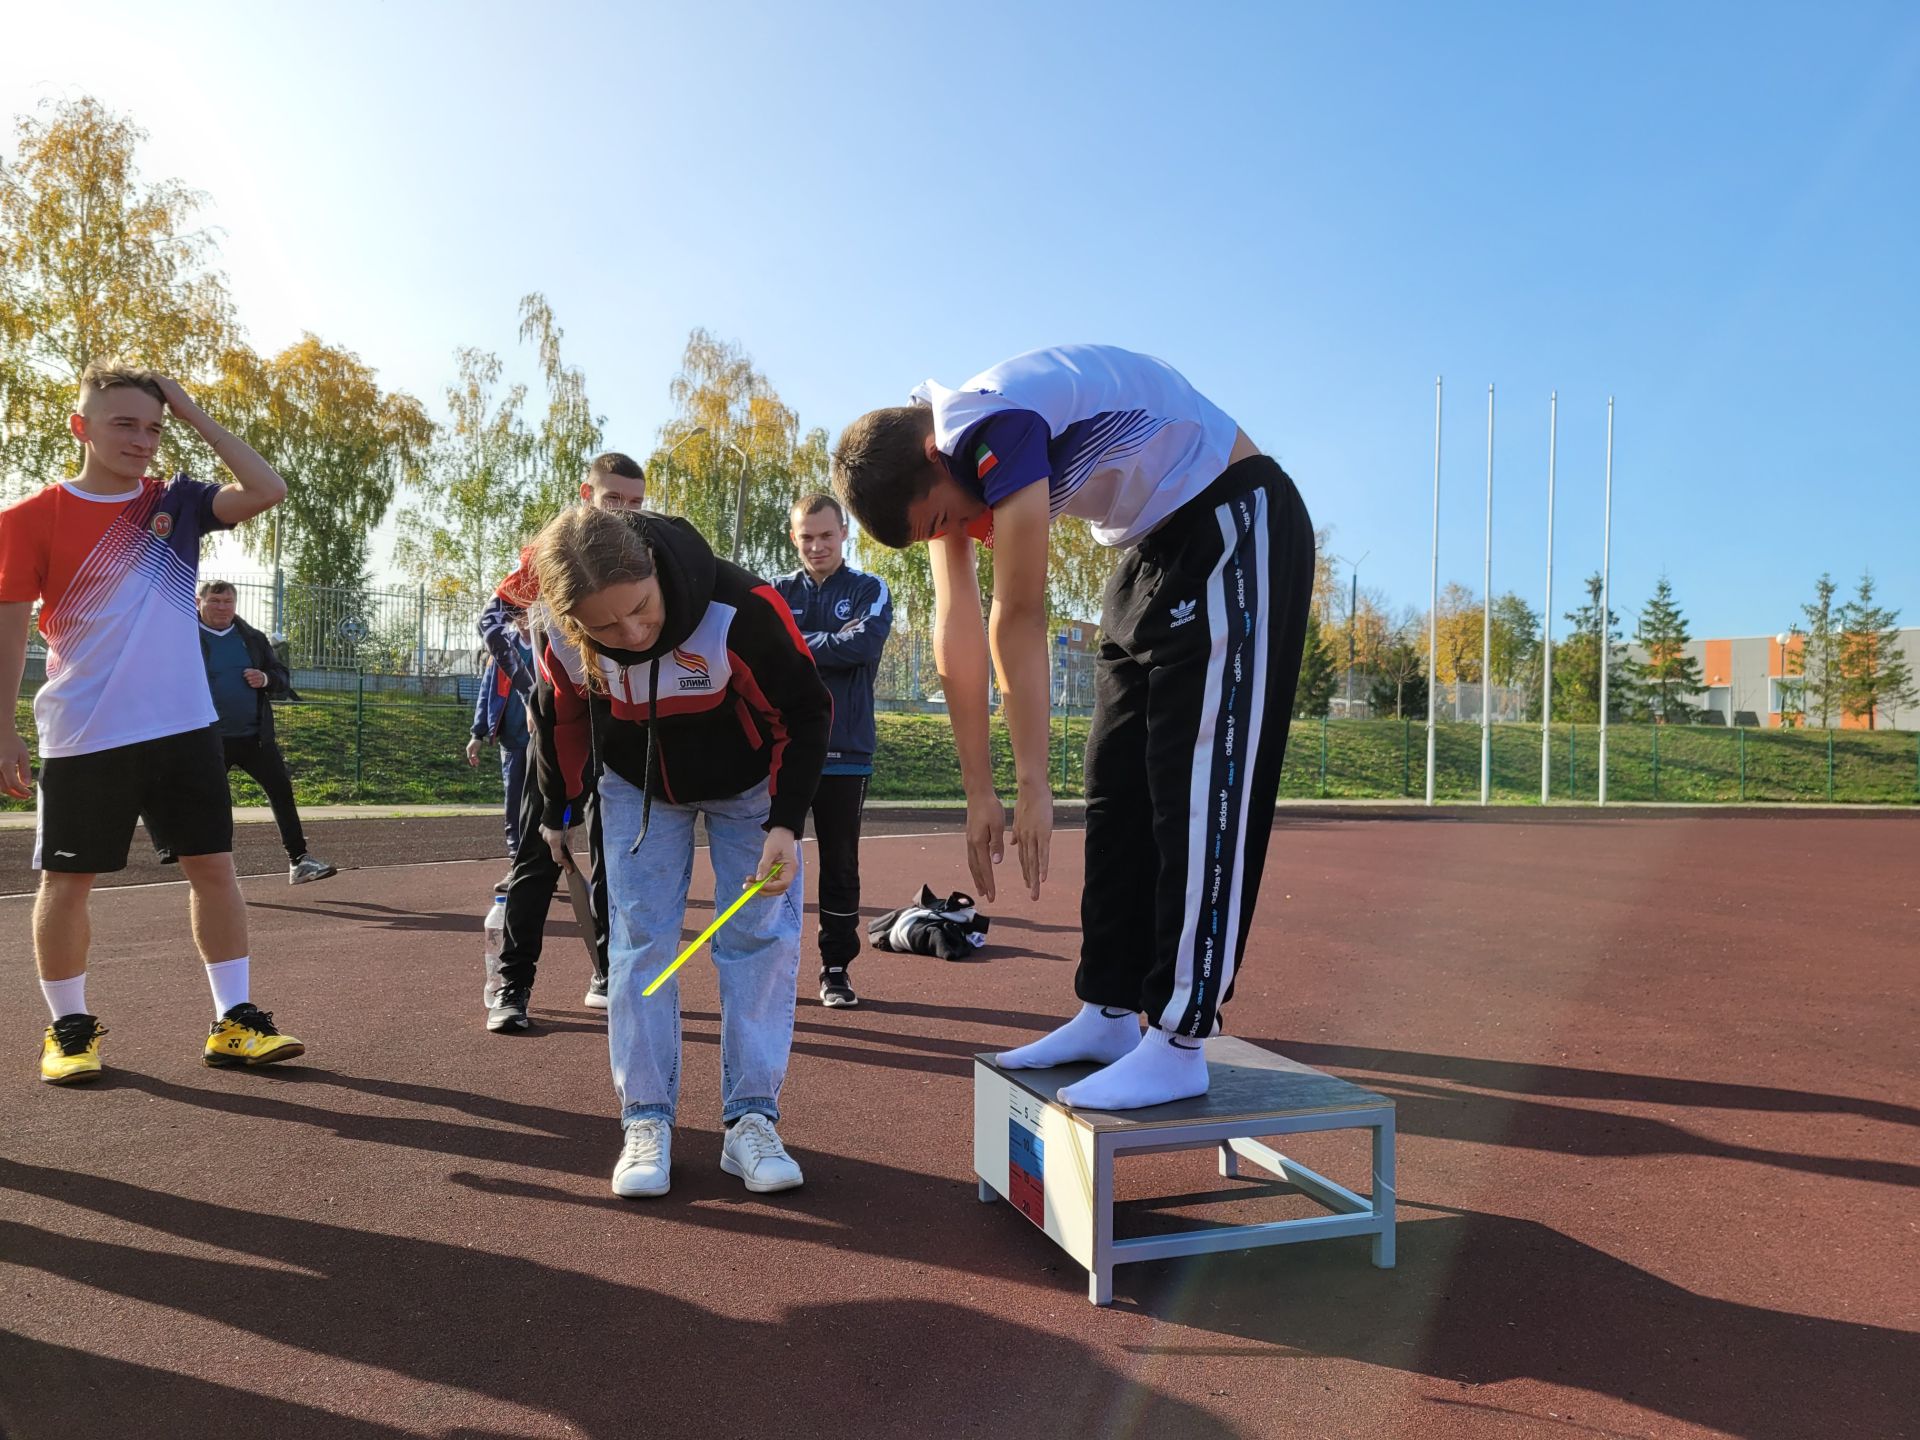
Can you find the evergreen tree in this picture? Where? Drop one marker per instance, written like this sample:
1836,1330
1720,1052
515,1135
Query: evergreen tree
1399,685
1814,663
1668,675
1872,673
1318,671
1576,664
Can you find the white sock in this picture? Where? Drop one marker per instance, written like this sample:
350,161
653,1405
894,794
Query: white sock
1097,1033
1161,1068
66,997
229,981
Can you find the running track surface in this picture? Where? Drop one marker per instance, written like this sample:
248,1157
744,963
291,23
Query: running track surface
1659,1145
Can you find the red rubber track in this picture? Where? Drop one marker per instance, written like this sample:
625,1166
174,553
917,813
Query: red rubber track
1660,1139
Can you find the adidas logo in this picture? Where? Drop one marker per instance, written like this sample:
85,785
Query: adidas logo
1182,613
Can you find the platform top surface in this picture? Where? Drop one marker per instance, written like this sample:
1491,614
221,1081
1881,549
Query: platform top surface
1244,1082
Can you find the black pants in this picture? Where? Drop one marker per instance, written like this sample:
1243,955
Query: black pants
837,806
262,760
1203,627
530,890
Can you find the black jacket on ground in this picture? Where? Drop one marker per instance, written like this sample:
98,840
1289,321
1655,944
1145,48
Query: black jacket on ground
727,697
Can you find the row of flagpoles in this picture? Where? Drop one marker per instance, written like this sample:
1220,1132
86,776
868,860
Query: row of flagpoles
1486,628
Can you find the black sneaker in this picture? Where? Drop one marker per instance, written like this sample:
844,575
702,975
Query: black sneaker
835,992
509,1009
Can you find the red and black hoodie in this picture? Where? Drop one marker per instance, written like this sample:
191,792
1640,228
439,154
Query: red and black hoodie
725,698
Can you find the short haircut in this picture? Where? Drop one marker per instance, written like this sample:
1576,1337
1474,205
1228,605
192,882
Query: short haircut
816,502
216,587
99,379
614,463
880,469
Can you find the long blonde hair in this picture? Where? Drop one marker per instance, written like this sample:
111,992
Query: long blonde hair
580,553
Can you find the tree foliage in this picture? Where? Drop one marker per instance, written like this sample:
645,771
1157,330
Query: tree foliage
1668,675
570,434
1873,674
731,429
319,417
1400,676
1577,660
1319,672
95,265
1812,659
466,529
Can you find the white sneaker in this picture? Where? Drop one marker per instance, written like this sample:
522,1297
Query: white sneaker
307,869
644,1160
753,1152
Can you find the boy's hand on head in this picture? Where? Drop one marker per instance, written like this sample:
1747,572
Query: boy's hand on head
782,849
178,401
986,836
16,767
1033,835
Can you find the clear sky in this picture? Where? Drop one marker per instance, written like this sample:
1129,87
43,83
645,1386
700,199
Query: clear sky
1709,211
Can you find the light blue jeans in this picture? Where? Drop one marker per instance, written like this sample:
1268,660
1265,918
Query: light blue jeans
756,953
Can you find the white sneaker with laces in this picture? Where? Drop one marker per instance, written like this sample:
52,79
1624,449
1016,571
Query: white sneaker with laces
645,1160
753,1151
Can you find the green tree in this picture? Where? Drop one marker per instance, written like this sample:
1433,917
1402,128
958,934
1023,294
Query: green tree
319,416
1668,675
1873,674
468,525
1814,663
95,265
1516,642
1577,659
570,434
1319,672
1400,677
731,430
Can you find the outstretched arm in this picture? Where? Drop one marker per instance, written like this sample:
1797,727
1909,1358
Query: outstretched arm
257,486
960,655
1018,630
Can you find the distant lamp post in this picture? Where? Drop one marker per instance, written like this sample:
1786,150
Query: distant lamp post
740,489
1781,640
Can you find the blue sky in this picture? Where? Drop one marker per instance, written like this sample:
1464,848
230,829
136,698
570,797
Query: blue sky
1710,211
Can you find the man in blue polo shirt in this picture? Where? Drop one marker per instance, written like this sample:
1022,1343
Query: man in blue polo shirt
845,616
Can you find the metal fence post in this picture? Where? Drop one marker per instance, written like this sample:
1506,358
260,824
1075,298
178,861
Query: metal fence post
1742,732
1406,758
359,727
420,635
1829,765
1573,775
1656,762
1323,757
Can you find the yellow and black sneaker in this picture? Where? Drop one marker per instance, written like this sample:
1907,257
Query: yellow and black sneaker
71,1053
245,1035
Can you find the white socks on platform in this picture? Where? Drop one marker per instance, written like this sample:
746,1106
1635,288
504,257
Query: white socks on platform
1161,1068
1100,1034
66,997
229,981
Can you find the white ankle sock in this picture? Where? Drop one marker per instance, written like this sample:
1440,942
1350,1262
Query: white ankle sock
1096,1033
229,981
1161,1068
66,997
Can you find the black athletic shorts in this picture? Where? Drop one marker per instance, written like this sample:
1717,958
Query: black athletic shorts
89,803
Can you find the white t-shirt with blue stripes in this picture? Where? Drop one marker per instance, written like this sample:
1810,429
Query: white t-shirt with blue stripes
1121,439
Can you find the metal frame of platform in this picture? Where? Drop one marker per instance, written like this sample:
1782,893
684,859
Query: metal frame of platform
1056,1165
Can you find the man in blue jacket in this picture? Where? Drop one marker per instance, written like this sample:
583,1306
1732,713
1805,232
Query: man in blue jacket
500,718
844,616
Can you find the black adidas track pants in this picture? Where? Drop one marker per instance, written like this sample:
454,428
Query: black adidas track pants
1202,631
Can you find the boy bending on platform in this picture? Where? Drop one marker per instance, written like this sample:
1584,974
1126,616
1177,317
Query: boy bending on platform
1201,635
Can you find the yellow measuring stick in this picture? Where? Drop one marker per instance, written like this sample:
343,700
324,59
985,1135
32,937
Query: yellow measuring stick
707,934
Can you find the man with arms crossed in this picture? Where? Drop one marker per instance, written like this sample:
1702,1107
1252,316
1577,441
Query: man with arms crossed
125,721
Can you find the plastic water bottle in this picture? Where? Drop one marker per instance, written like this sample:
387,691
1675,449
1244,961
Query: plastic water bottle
495,929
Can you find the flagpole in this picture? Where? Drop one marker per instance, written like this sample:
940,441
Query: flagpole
1486,631
1546,637
1433,597
1606,611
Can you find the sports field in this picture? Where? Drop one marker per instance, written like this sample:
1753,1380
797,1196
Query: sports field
1660,1141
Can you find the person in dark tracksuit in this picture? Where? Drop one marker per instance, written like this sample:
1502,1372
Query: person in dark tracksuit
615,483
244,675
1202,629
845,616
500,718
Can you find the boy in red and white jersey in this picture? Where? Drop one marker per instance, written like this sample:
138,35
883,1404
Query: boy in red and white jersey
125,719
